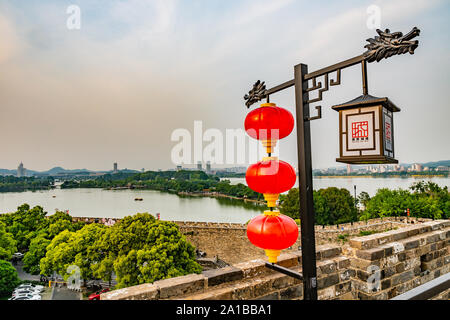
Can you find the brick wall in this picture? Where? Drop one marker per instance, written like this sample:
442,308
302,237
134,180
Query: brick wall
400,259
378,266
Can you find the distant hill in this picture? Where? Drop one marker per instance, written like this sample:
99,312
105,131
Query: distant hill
6,172
60,170
445,163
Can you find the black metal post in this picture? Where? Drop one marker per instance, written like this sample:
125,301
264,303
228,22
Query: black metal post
309,271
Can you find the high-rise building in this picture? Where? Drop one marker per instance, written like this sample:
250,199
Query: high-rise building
349,169
199,166
115,170
208,167
21,171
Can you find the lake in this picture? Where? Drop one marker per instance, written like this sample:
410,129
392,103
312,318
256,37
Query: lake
120,203
365,183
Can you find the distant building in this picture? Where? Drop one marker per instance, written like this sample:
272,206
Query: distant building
349,169
208,167
199,166
21,171
115,170
416,167
179,168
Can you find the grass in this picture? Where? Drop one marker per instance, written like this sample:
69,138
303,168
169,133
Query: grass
343,237
363,233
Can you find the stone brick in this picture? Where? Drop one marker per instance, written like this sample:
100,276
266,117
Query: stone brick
328,251
145,291
411,244
347,274
281,281
326,294
388,249
400,267
243,291
388,272
447,259
342,288
216,294
326,266
252,268
218,276
270,296
181,285
370,254
346,296
411,263
261,287
342,262
288,260
291,292
327,281
363,264
434,237
385,284
403,277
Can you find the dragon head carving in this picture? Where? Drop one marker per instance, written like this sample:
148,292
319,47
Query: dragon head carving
387,44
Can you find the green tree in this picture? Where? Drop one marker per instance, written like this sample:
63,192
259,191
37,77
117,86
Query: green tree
331,205
37,250
290,204
8,278
72,248
426,201
7,243
25,224
334,206
141,249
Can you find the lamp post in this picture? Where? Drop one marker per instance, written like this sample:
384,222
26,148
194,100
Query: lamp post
384,45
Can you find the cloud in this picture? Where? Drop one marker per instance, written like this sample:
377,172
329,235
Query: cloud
9,43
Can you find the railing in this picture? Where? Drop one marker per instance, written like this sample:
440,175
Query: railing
427,290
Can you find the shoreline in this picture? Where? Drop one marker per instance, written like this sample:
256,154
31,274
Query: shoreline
218,195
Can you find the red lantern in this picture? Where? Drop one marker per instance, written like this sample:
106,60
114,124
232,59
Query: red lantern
269,123
270,177
272,232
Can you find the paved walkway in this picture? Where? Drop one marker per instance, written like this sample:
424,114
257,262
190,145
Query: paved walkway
23,275
65,294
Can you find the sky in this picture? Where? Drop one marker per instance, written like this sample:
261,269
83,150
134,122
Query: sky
116,88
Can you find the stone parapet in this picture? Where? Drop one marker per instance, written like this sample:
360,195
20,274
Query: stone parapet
375,267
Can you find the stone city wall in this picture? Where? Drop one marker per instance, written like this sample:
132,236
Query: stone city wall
229,242
379,266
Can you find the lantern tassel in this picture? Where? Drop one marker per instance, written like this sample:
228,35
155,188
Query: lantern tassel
271,199
272,255
269,145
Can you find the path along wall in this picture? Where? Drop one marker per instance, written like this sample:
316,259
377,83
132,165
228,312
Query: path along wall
378,266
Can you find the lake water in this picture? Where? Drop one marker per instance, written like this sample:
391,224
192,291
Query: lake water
120,203
367,184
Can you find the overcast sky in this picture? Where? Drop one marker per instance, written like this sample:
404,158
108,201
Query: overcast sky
115,89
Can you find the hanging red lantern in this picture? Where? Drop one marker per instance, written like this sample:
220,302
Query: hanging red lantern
269,124
270,177
272,232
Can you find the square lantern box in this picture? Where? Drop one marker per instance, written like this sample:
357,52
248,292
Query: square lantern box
366,130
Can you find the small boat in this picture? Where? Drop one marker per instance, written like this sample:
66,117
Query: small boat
54,196
138,199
